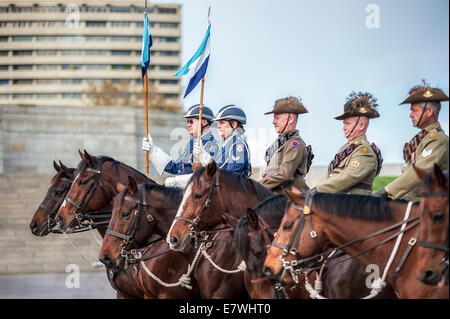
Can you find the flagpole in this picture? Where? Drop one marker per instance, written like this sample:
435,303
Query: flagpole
146,109
200,113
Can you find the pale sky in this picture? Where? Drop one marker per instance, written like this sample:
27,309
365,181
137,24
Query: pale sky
320,51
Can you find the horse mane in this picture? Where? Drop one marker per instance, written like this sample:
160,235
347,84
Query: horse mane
239,181
101,159
175,194
270,207
355,206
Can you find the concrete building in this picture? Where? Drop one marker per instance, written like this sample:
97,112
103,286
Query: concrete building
54,52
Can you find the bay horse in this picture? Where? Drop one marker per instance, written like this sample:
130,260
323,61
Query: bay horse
434,230
138,213
214,198
316,222
43,219
94,187
254,235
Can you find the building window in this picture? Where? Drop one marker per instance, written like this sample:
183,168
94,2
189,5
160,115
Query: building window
170,96
120,52
22,95
96,52
46,81
100,24
47,95
45,38
167,10
71,38
23,67
168,53
96,38
169,67
23,81
120,9
3,53
22,9
4,96
71,66
3,39
46,52
93,9
121,39
22,52
170,25
47,66
22,38
168,39
121,66
71,81
96,66
4,67
71,52
163,81
71,95
120,24
94,81
4,82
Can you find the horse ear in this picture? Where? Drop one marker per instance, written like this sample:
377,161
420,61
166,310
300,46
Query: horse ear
420,173
439,176
81,154
65,169
120,187
132,186
291,194
252,217
211,168
88,159
57,168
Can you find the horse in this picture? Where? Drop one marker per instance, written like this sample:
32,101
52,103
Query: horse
214,198
316,225
101,174
138,213
42,220
433,236
253,237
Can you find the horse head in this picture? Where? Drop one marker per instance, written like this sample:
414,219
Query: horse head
131,223
43,218
299,237
87,193
434,222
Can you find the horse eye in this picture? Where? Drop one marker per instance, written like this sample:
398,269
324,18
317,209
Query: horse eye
438,217
126,214
287,225
198,196
83,182
58,192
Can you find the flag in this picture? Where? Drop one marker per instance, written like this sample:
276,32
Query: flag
198,64
147,42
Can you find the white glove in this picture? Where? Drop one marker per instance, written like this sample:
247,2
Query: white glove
147,143
177,181
201,154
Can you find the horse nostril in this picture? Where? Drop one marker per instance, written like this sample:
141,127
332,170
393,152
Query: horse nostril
267,271
105,259
34,227
173,241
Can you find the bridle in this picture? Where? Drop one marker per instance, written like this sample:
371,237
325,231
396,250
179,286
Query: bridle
52,213
202,235
443,267
129,238
80,211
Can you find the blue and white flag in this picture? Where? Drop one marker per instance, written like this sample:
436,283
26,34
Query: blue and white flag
147,42
198,64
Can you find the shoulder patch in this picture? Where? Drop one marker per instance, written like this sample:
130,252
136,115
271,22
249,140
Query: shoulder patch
355,164
295,143
239,148
364,150
432,134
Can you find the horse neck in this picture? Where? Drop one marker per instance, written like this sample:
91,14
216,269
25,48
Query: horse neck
238,201
342,230
164,212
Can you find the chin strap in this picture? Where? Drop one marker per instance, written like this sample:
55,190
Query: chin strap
348,135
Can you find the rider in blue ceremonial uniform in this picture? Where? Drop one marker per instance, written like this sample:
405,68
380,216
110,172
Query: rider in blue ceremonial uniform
235,154
182,167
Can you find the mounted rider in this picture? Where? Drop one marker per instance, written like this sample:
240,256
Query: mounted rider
288,158
428,147
358,162
235,154
182,167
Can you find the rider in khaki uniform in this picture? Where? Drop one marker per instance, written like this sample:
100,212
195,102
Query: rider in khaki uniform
358,162
288,158
428,147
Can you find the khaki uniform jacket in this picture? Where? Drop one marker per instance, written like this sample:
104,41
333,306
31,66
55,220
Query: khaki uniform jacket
356,173
433,149
287,165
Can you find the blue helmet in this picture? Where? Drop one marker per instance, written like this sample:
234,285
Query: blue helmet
194,111
231,112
